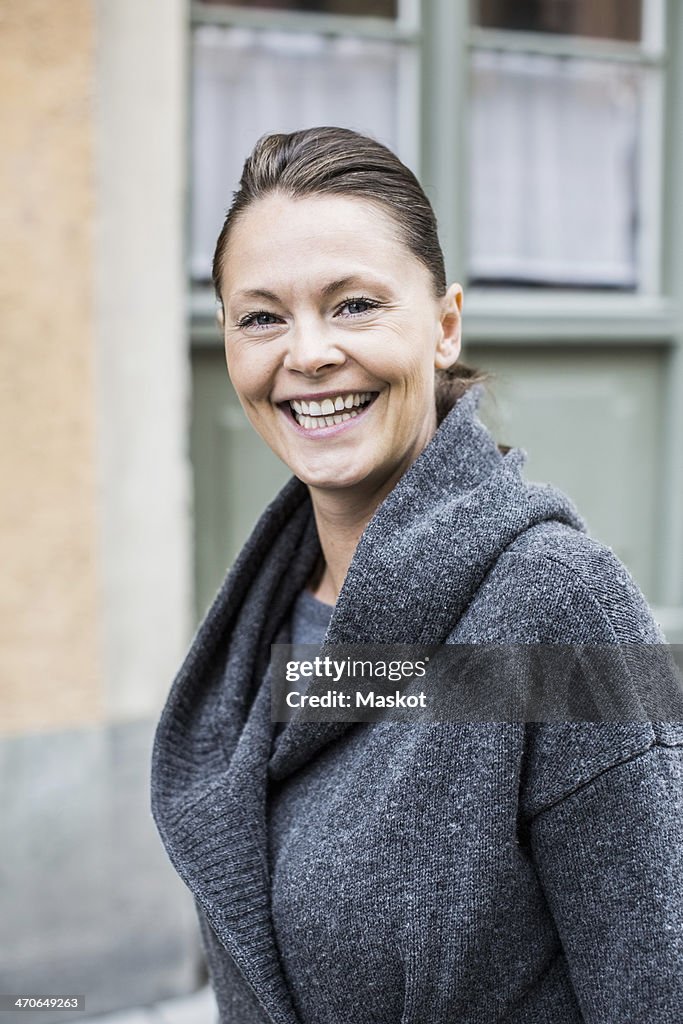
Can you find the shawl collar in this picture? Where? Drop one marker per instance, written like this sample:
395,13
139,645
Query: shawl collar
213,741
417,566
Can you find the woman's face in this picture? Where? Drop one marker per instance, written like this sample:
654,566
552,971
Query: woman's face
332,335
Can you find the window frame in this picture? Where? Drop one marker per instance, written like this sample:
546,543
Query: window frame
404,30
441,38
650,56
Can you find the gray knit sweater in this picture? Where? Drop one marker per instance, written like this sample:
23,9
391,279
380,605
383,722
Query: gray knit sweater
394,873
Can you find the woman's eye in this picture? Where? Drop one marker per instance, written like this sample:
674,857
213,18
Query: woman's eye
257,319
354,307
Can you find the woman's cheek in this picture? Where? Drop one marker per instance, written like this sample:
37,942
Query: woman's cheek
246,378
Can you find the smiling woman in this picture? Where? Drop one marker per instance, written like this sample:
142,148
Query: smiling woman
361,328
362,872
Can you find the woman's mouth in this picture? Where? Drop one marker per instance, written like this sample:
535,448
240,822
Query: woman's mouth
331,411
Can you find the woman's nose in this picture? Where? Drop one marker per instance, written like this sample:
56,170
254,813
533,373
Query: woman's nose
311,351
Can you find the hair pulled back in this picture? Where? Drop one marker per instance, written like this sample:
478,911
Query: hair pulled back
342,162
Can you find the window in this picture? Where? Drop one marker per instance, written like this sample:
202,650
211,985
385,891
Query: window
563,176
353,8
537,128
253,75
599,19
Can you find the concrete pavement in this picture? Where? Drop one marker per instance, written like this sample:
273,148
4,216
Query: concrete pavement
198,1008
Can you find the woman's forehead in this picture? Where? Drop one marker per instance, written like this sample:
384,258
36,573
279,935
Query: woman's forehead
327,237
316,216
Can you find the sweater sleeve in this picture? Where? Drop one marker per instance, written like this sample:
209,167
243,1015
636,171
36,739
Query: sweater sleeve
609,856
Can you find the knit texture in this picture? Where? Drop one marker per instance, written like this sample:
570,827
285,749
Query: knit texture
387,872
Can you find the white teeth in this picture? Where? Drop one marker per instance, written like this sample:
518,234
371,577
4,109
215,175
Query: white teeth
329,411
314,422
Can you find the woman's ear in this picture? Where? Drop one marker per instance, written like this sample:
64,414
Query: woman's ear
220,315
450,335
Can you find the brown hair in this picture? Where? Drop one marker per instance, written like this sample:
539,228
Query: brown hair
338,161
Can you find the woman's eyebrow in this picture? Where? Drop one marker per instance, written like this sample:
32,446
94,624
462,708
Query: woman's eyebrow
354,280
325,291
336,286
257,293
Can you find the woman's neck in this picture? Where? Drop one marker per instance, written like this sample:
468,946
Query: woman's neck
340,519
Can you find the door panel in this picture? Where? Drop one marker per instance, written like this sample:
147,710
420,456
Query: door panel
235,473
590,420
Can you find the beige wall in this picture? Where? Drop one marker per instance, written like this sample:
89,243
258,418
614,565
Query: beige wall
49,622
142,364
95,521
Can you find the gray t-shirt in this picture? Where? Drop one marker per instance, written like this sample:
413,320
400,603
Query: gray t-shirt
310,619
309,622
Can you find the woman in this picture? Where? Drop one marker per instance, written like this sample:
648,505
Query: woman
399,873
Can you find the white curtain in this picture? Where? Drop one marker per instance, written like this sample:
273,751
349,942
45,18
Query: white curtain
553,144
248,82
553,170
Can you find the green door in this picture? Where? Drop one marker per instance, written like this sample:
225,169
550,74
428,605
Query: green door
589,417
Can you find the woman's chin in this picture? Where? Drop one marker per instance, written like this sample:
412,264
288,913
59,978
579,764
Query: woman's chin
334,478
362,477
323,482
